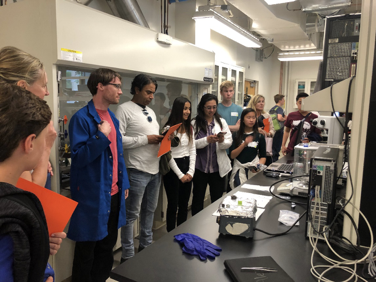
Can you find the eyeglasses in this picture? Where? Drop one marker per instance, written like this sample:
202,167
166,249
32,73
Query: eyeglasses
210,107
118,86
146,113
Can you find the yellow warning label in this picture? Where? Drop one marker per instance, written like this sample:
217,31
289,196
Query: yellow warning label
71,51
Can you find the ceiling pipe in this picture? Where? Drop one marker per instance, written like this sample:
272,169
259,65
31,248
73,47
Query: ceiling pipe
130,11
125,9
84,2
113,9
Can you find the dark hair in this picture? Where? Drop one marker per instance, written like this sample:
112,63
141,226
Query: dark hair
104,76
176,115
278,97
301,95
21,114
142,80
160,95
240,133
200,118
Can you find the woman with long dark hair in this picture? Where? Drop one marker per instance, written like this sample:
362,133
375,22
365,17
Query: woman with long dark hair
248,149
212,138
177,181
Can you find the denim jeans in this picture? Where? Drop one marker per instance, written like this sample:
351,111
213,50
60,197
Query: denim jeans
142,201
277,144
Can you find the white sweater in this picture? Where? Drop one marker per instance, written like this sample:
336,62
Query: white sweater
134,127
224,163
184,149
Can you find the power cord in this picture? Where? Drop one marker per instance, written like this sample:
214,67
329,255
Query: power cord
287,200
343,265
282,233
284,199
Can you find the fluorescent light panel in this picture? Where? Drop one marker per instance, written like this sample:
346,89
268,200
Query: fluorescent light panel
301,56
274,2
227,28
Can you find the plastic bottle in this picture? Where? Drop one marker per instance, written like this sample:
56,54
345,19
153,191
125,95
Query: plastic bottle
304,136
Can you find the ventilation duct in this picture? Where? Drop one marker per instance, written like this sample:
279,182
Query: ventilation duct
126,9
84,2
130,11
319,6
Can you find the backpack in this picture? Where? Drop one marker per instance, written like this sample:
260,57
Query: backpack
23,219
274,116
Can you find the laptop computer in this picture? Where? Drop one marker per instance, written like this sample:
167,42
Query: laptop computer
281,167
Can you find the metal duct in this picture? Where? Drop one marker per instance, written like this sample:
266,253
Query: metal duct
312,6
130,11
84,2
113,9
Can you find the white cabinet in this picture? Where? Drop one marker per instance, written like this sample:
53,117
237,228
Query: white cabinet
306,85
235,74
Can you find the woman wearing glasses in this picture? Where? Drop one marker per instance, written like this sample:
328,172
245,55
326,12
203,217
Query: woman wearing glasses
212,137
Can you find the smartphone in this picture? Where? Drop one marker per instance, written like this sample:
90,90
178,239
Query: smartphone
221,133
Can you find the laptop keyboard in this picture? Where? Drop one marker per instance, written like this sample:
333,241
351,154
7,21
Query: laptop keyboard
286,167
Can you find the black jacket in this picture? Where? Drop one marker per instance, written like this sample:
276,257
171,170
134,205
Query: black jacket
22,217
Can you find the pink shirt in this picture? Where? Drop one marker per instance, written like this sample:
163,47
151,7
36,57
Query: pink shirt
105,115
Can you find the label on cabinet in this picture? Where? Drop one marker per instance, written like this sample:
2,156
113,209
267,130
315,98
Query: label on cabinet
71,55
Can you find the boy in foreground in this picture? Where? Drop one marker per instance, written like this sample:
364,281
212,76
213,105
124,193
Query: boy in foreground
25,121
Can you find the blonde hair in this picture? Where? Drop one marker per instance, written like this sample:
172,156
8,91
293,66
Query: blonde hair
16,65
226,84
255,99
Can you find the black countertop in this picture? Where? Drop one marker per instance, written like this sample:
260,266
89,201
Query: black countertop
165,261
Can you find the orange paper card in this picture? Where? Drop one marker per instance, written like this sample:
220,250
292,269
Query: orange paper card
166,143
57,208
266,124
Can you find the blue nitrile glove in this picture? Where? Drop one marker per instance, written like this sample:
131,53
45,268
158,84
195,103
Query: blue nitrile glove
49,272
194,245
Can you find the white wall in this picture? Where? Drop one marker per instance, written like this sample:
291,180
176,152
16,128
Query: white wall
297,71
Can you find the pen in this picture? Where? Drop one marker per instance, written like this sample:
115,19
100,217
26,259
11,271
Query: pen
263,269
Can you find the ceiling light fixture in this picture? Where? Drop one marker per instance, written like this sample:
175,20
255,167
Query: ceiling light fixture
273,2
227,28
301,56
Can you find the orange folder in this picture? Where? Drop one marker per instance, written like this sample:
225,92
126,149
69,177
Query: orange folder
166,143
266,124
57,208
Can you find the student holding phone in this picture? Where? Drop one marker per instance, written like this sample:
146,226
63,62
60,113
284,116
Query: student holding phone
212,138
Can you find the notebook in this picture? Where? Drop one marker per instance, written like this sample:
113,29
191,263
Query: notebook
233,268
